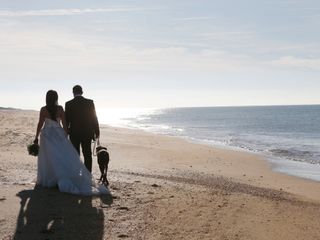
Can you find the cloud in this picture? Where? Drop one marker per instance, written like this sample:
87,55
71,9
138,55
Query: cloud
39,50
194,18
294,62
64,12
228,35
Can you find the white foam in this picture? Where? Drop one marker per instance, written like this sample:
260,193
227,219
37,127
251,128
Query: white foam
295,168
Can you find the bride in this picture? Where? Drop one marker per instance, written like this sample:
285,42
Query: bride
58,161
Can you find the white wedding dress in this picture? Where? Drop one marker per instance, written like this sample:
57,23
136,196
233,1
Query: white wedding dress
59,164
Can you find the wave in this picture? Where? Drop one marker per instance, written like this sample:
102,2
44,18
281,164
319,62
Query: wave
297,155
290,133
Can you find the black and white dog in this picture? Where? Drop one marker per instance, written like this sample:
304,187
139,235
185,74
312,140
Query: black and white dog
103,161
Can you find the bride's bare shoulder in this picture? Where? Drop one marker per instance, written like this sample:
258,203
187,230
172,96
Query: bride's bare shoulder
60,111
60,108
44,112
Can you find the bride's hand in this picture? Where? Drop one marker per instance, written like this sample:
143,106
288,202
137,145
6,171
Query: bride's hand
36,141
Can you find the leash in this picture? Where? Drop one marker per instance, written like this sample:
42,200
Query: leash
95,143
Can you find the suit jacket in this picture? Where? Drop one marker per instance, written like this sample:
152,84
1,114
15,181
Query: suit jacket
81,118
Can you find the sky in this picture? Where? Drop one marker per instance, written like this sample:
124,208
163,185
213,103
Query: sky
164,53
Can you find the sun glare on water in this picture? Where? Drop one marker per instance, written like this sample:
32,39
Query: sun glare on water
122,117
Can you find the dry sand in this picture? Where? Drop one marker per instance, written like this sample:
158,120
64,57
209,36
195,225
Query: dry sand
162,188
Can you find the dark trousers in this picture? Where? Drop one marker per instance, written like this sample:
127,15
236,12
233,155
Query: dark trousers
86,150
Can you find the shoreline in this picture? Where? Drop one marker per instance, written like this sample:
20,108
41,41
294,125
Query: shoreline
299,169
283,165
241,166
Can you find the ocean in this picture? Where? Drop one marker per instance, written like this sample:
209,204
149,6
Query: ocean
288,136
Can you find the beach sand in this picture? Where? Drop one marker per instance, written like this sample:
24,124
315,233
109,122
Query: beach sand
162,188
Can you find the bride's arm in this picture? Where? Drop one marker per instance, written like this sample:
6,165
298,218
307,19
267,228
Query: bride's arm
63,120
40,124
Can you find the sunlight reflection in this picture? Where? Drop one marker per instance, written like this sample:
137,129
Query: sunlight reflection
122,117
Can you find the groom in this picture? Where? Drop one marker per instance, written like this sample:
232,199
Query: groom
82,123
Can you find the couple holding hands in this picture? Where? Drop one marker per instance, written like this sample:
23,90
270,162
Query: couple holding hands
59,163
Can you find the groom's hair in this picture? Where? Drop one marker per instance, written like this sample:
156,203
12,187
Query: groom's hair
77,89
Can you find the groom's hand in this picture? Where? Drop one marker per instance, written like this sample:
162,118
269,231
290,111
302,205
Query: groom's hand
96,136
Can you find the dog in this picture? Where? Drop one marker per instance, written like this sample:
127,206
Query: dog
103,162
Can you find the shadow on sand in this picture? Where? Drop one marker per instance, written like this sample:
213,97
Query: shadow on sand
50,214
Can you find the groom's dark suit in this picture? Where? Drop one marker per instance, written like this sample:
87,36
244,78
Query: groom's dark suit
82,126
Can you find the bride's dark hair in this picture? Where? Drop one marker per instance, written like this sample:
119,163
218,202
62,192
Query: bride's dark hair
52,103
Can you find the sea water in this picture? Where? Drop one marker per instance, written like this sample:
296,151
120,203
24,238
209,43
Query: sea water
288,135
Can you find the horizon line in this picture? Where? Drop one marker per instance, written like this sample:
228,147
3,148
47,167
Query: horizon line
208,106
